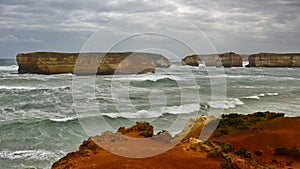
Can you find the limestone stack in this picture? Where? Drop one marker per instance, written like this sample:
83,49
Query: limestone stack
225,59
274,60
90,63
192,60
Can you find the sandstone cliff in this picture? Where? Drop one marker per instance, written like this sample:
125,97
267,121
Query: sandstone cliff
225,59
90,63
274,60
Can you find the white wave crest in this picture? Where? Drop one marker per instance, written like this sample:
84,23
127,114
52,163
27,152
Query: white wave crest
225,104
28,155
63,119
272,94
145,77
258,96
252,97
9,68
183,109
32,88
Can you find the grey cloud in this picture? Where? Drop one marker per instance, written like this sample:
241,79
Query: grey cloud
229,23
10,38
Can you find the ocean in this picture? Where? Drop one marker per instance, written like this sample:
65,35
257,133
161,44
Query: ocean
43,117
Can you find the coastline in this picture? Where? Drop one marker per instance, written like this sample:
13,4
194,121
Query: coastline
259,140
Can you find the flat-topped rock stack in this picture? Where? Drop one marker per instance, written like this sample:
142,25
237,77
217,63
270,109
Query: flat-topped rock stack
90,63
274,60
229,59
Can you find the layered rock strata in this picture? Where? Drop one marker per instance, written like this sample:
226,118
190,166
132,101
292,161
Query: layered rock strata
90,63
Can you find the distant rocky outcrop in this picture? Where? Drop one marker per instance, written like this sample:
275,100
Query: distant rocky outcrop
90,63
192,60
274,60
225,59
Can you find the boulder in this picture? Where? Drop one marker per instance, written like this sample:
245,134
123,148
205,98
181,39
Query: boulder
140,129
274,60
192,60
90,63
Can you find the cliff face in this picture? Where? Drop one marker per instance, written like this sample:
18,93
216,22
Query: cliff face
90,63
225,59
260,140
274,60
192,60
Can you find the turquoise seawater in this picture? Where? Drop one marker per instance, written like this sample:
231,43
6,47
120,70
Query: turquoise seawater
42,117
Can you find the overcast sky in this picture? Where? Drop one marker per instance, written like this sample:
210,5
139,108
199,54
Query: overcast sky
231,25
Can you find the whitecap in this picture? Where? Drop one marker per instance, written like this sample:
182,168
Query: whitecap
146,77
225,104
183,109
272,94
32,88
28,155
252,97
137,115
63,119
9,68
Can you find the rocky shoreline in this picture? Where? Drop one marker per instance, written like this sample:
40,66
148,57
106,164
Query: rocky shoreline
259,140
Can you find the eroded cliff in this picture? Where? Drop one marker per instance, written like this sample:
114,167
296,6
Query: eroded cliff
229,59
274,60
90,63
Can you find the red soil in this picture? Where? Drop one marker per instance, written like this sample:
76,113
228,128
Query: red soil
264,136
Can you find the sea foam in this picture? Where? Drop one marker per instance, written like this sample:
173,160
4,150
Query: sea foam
28,155
9,68
183,109
225,104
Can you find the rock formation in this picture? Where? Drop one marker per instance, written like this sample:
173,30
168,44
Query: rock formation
90,63
260,140
274,60
192,60
225,59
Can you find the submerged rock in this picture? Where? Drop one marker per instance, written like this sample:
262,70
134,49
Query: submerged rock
274,60
90,63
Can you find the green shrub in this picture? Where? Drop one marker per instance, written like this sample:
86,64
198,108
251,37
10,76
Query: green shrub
243,151
227,147
225,165
281,151
214,154
146,133
259,114
207,142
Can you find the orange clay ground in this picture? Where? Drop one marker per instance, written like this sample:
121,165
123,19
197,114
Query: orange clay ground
259,140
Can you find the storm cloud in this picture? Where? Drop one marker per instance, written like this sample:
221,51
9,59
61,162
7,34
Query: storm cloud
232,25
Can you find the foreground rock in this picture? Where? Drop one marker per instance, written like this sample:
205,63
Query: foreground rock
274,60
225,59
90,63
260,140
